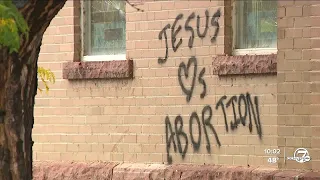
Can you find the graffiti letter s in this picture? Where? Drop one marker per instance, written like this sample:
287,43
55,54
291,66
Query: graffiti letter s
214,22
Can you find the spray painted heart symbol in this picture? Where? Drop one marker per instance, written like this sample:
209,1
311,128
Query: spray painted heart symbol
186,69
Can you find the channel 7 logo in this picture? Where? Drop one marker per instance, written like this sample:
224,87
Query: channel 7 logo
301,155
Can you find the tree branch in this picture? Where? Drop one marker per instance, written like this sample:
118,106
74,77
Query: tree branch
134,6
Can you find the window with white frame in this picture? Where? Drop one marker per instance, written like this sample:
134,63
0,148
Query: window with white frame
255,27
103,30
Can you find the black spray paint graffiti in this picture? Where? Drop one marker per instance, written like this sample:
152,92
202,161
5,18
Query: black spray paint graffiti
176,136
248,109
192,60
185,68
174,31
180,134
181,143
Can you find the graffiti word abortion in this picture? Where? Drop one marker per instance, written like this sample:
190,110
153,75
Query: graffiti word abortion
174,31
179,139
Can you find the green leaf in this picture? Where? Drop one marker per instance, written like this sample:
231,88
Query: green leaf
12,24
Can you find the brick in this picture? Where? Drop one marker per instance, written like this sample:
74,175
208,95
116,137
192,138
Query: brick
285,65
302,66
315,87
294,32
72,147
50,48
134,17
301,109
130,157
161,15
315,32
130,26
167,6
293,98
67,156
285,131
79,156
201,4
301,87
84,148
315,43
315,143
130,139
307,32
180,5
154,6
223,159
65,30
285,3
306,142
293,11
232,150
293,77
301,132
286,43
144,16
141,26
314,10
285,22
306,3
203,51
314,109
314,76
302,43
315,22
285,88
134,35
117,156
92,157
53,156
285,109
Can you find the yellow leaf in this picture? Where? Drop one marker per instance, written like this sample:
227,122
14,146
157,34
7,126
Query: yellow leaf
46,75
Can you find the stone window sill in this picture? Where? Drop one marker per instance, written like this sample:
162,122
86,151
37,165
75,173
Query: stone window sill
245,64
98,70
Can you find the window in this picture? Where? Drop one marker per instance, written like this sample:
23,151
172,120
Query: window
255,27
103,30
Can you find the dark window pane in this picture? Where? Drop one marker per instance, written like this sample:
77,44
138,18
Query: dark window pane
256,24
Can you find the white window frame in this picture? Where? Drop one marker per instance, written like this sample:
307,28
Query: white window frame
83,18
248,51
